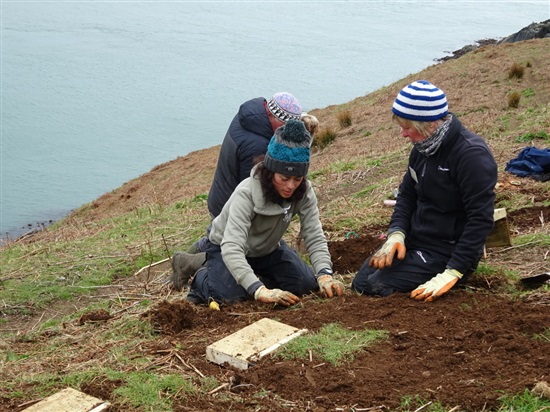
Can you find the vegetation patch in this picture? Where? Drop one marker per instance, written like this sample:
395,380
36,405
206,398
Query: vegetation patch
333,343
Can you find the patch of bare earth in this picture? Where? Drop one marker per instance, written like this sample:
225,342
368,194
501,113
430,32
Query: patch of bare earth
464,350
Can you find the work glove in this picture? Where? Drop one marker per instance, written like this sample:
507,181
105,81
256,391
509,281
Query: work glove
330,286
279,296
437,286
395,243
311,123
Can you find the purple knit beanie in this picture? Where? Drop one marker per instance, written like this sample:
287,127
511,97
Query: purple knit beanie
284,107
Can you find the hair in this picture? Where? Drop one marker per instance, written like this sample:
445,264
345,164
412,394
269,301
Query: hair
266,181
424,128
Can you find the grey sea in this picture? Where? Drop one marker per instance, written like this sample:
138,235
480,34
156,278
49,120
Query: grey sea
96,93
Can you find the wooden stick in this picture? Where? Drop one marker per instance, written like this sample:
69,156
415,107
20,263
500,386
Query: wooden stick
515,247
219,388
151,265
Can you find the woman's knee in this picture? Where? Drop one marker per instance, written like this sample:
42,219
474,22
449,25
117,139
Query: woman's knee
307,285
371,283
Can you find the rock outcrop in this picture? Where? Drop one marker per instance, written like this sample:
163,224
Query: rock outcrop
533,31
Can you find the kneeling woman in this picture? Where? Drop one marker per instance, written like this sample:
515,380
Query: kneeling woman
246,253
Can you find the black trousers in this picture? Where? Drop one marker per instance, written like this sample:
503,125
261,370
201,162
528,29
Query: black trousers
405,275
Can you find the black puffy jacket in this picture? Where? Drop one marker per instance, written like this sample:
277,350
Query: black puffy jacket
247,137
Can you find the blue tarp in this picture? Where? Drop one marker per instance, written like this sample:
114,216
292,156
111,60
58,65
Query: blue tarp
531,162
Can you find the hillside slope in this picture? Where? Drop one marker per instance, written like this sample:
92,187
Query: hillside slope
477,87
81,307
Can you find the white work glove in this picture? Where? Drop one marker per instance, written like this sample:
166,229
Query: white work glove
330,286
279,296
311,123
383,258
437,286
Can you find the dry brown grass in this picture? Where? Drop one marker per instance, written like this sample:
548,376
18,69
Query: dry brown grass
516,71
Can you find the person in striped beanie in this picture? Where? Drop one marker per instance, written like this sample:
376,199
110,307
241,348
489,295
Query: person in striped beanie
444,207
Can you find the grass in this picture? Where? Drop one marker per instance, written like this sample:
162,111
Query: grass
45,273
333,344
530,136
524,402
152,391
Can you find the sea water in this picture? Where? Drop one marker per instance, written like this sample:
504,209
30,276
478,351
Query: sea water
96,93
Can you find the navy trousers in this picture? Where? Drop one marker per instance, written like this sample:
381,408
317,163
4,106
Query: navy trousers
405,275
282,269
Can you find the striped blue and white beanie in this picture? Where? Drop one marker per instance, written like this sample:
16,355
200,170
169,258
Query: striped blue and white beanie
288,151
420,101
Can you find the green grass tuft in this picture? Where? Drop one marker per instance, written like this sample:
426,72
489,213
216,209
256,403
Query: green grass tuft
333,343
524,402
153,392
530,136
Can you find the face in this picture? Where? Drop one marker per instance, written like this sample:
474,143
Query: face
275,123
410,132
286,185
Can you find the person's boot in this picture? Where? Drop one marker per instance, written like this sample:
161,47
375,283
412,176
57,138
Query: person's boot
193,249
184,265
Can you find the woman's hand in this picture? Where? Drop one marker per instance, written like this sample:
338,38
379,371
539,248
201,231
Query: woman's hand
330,286
279,296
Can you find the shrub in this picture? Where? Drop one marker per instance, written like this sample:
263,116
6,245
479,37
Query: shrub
516,70
323,138
513,99
344,118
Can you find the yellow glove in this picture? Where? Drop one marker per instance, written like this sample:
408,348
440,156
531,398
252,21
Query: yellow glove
395,243
330,286
311,123
279,296
436,286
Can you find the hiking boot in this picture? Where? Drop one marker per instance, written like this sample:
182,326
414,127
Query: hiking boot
184,265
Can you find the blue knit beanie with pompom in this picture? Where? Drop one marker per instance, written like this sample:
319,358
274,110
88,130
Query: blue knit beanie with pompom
288,151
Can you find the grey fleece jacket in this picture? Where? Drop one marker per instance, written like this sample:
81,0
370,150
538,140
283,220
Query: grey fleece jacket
248,226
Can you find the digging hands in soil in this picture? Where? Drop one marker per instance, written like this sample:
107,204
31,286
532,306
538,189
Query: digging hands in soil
330,286
279,296
395,244
437,286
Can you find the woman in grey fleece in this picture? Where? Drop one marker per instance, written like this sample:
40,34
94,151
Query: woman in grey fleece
246,253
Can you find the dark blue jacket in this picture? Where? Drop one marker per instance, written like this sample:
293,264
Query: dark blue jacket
446,201
247,137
